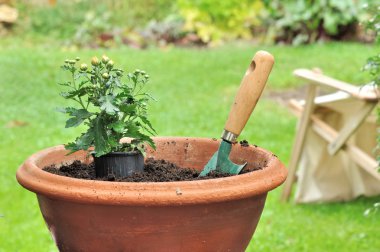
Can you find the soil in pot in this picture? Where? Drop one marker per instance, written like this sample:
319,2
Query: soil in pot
154,171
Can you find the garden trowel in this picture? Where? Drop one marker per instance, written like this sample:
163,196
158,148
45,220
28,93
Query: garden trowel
245,101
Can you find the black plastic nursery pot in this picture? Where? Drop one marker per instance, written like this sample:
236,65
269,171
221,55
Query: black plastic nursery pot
119,164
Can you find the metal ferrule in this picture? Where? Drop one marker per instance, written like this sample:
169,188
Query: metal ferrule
229,136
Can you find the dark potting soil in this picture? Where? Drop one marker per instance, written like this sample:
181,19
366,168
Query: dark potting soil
154,171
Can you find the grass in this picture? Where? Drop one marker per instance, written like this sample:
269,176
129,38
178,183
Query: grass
194,88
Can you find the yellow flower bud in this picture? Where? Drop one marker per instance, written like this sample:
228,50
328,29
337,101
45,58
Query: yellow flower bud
105,76
105,59
94,61
83,67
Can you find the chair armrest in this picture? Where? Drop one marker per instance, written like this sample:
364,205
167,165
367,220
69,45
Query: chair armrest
371,94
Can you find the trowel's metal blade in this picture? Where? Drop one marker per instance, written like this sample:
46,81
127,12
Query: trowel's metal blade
220,161
210,166
224,164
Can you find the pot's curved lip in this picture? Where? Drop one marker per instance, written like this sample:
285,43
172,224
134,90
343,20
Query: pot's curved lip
118,154
150,193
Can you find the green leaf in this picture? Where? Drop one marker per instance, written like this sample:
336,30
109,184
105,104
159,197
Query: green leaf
72,147
81,113
71,94
147,122
80,75
114,142
133,130
118,126
117,82
81,143
85,140
128,108
68,110
66,68
141,149
150,142
150,97
61,110
73,122
83,83
106,104
66,84
101,139
78,116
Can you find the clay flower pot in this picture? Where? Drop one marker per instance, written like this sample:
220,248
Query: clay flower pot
208,215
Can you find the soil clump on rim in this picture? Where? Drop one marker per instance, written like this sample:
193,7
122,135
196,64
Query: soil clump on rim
244,143
154,171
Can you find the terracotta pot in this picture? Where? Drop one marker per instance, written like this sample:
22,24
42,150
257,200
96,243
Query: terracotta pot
210,215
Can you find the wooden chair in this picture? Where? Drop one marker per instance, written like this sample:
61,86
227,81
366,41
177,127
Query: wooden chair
337,139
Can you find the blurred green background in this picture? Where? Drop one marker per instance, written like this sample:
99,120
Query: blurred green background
196,53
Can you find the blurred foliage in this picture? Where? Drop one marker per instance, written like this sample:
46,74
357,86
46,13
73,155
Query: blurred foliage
134,13
93,30
214,20
372,22
306,21
107,23
59,21
166,31
372,65
79,18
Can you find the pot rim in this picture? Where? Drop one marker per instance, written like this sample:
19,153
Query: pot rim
241,186
119,153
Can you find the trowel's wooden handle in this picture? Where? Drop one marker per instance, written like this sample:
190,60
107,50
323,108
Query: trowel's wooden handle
249,92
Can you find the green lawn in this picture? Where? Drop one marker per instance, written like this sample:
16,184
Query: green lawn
194,88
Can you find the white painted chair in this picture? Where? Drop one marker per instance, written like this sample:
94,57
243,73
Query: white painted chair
335,141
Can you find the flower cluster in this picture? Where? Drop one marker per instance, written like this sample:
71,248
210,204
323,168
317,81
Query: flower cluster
112,107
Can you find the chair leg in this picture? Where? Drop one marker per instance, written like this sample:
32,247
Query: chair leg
350,128
362,159
299,142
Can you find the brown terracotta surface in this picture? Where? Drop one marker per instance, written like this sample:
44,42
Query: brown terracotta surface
209,215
